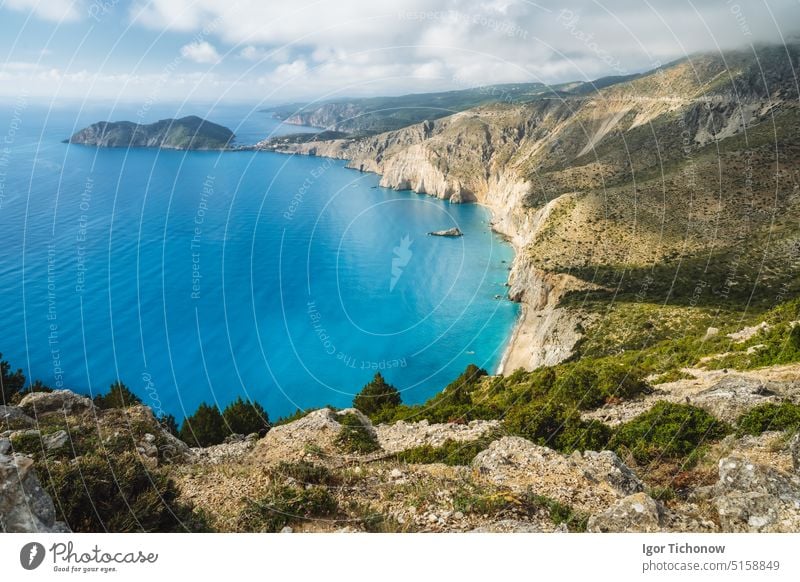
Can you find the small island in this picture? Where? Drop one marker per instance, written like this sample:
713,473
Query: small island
452,232
186,133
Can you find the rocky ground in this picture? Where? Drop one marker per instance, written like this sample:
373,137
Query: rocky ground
513,485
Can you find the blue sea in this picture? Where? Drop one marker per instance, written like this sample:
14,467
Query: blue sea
203,276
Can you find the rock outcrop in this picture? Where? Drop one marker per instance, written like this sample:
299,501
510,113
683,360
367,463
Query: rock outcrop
636,513
24,506
314,433
402,436
63,401
751,497
589,483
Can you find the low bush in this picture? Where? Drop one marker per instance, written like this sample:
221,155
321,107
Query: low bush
554,425
450,453
303,472
764,417
672,376
116,493
668,430
283,505
354,437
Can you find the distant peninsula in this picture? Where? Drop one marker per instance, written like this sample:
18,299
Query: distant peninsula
186,133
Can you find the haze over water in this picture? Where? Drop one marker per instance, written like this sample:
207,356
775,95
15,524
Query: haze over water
202,276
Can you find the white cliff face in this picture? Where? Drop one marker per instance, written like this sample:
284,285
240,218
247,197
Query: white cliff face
556,173
464,158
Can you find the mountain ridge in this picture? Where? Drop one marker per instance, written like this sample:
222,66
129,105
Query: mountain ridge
658,174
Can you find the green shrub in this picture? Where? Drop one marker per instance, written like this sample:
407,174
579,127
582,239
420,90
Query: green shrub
450,453
285,504
668,430
580,435
117,493
673,376
245,417
783,416
303,472
354,437
590,383
538,422
527,504
377,396
118,396
204,428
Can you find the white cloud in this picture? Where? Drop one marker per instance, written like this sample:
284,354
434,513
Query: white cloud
311,48
202,52
259,54
55,10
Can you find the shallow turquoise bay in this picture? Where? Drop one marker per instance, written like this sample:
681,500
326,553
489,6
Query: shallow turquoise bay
201,276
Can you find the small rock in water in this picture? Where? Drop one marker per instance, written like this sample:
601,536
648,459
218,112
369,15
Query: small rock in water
455,231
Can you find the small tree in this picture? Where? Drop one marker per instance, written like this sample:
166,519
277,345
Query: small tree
376,396
204,428
245,417
118,396
10,382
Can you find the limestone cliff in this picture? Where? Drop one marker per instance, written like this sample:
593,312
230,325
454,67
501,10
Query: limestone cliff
626,179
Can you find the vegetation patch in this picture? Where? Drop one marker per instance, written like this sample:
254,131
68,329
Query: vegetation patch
668,430
672,376
450,453
116,493
283,505
354,437
764,417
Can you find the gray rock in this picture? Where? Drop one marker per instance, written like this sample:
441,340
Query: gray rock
14,417
736,393
24,505
794,448
508,526
636,513
5,446
589,483
756,498
55,441
452,232
606,466
64,401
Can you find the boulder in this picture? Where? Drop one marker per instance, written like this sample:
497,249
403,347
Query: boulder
750,497
794,449
55,441
24,505
635,513
736,393
589,483
64,401
13,417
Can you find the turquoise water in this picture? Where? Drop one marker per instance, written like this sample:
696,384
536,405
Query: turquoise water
202,276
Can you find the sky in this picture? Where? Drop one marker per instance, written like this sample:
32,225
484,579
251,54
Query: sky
271,51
